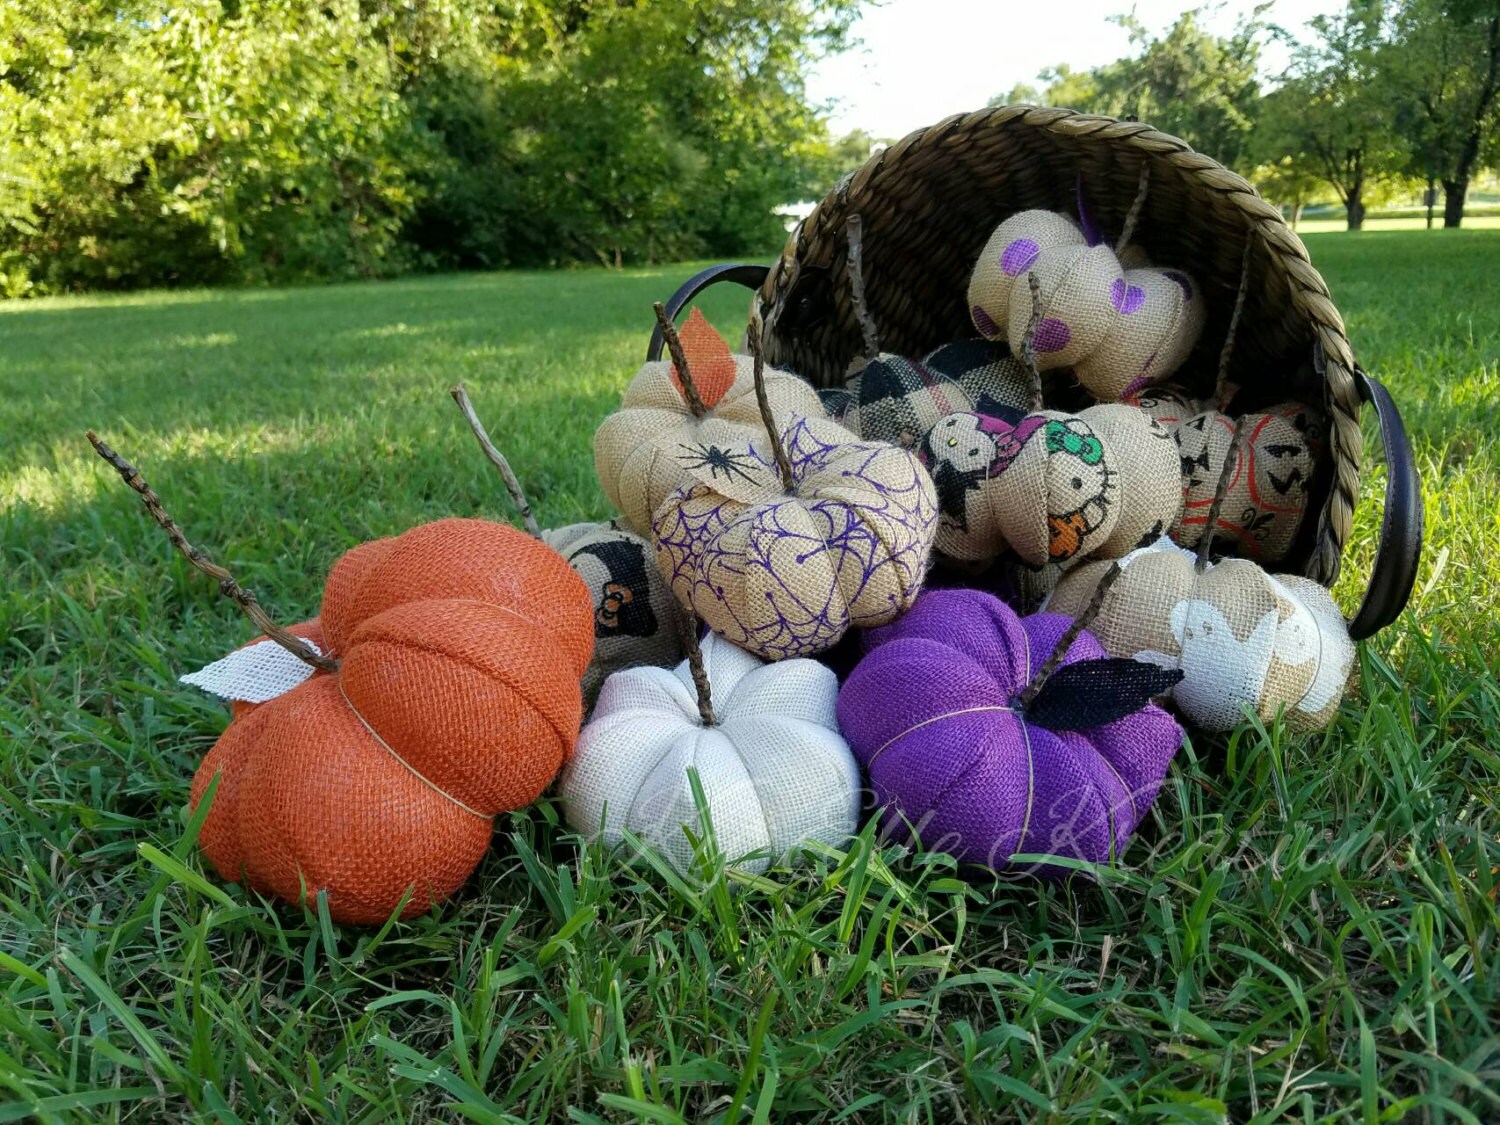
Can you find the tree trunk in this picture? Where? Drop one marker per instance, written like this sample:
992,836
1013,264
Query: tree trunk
1454,194
1354,207
1296,212
1430,198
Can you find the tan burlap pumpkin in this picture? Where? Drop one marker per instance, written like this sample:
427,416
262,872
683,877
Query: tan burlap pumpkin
651,445
1244,639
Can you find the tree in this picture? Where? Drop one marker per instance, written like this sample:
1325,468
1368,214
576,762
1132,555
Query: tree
1331,110
1443,64
1198,86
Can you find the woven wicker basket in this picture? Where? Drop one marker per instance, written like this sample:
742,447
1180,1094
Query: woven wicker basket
929,202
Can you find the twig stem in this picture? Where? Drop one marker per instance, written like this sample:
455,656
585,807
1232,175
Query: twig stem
854,230
1221,489
778,450
1070,634
1133,216
1028,342
507,474
679,360
688,622
1222,390
227,585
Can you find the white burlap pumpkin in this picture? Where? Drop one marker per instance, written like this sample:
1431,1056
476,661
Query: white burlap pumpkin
774,769
1242,638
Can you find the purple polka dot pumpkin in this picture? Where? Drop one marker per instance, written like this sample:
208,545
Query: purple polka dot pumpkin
931,713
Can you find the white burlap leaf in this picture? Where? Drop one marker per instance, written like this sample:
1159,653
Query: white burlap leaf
253,674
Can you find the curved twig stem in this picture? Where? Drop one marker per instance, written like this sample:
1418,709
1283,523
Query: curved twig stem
1137,205
778,449
688,623
679,360
1226,475
507,474
854,229
1065,642
1223,392
1028,342
227,585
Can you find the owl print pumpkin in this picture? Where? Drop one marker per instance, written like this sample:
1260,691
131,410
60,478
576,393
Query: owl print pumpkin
636,619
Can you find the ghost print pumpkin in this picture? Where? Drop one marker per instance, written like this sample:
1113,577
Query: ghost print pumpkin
963,762
775,773
650,446
1246,641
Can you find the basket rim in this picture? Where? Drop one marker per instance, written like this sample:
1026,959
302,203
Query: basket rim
816,238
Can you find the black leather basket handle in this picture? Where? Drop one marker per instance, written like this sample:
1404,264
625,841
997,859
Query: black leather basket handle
1396,554
1399,549
751,277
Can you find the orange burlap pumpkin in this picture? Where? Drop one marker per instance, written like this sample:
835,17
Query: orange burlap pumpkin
462,644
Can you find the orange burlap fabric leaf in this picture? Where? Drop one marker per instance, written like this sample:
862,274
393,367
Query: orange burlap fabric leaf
462,646
708,358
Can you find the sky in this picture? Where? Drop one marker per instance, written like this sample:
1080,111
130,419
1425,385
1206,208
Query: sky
922,60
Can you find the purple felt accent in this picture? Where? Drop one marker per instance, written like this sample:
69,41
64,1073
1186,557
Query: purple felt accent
929,713
1126,298
1182,281
984,322
1051,335
1018,256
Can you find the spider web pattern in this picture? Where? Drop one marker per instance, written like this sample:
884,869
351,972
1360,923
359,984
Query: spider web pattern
788,578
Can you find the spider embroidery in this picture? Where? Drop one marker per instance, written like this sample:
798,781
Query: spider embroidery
718,461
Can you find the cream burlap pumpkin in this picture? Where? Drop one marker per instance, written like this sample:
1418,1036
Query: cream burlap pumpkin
774,770
1121,325
1244,639
786,571
636,618
649,447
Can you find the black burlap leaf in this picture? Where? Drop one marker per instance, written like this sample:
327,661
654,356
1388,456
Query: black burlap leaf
1090,693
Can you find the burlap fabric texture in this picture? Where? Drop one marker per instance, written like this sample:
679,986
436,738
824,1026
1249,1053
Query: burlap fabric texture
1244,639
775,772
462,646
1267,497
896,399
1121,328
787,572
931,713
636,618
644,451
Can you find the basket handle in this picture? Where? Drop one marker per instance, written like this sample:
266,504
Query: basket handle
751,277
1400,546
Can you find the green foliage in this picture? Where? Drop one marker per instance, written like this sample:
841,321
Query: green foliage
250,140
1187,82
1306,930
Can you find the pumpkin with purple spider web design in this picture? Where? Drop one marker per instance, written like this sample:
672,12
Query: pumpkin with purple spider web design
786,572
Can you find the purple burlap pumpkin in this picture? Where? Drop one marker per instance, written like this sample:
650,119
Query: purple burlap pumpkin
930,712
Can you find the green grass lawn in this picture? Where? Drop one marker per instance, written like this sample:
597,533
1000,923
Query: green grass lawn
1305,930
